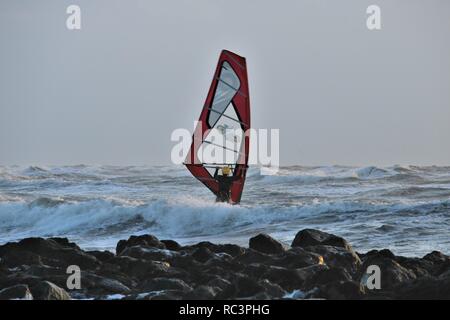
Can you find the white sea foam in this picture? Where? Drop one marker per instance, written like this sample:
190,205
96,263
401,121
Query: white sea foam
98,205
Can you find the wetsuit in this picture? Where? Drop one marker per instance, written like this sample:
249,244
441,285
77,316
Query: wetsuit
225,183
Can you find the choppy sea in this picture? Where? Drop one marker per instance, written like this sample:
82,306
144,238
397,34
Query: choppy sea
403,208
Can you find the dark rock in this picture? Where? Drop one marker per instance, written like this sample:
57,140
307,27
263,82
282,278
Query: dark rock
343,290
171,245
46,290
14,258
219,282
231,249
298,258
58,252
382,253
288,279
328,276
202,292
242,286
147,240
273,290
253,256
102,256
311,237
307,274
423,289
392,273
266,244
436,257
165,295
337,257
17,292
158,284
202,254
146,253
98,285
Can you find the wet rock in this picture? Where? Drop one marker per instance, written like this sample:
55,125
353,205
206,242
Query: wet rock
158,284
17,292
171,245
288,279
423,289
392,273
202,254
242,286
146,253
98,285
202,292
148,241
46,290
311,237
273,290
328,276
266,244
231,249
343,290
436,257
140,269
53,252
299,258
102,256
253,256
165,295
12,257
337,257
219,282
382,253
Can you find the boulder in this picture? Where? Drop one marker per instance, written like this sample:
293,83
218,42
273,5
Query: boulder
46,290
311,237
17,292
423,289
171,245
102,256
57,252
298,258
202,254
98,285
158,284
343,290
146,240
392,273
337,257
273,290
266,244
231,249
148,253
202,292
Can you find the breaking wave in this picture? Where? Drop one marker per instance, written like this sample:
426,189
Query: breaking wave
98,205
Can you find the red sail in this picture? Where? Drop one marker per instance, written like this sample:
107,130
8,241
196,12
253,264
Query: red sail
227,100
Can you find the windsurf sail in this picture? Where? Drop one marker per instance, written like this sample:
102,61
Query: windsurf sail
221,137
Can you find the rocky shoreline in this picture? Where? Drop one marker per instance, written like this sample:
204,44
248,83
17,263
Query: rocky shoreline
317,265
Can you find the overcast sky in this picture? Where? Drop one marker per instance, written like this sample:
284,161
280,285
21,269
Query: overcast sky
112,92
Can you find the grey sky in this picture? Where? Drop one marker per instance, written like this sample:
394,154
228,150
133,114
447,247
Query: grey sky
113,92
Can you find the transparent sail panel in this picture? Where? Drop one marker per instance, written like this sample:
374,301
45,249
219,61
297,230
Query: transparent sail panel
227,86
223,143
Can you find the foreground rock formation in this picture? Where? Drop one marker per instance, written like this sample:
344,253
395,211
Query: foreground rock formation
317,265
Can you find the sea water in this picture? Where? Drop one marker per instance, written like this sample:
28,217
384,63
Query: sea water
402,208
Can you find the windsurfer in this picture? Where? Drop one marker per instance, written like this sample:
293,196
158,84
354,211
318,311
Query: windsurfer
225,181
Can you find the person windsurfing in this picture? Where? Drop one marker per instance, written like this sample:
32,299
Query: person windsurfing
225,181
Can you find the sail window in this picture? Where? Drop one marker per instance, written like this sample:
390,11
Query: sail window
227,86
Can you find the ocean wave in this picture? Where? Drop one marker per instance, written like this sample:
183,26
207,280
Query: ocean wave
178,218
